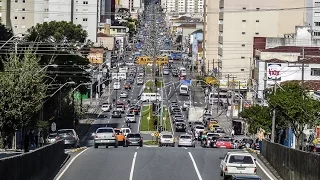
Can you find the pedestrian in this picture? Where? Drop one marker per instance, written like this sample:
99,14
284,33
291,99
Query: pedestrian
41,140
26,142
232,132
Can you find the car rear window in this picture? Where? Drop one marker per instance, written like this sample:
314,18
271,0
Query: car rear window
185,137
240,159
105,131
62,131
133,136
199,127
130,115
224,139
167,136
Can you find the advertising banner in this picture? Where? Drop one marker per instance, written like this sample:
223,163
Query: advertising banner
273,71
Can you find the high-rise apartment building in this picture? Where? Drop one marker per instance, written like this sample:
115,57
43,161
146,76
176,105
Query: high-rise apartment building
22,14
183,6
133,5
231,25
313,17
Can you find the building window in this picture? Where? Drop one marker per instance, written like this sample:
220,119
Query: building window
317,23
257,33
243,45
257,21
317,4
24,1
316,33
257,9
316,13
15,26
242,69
244,8
23,9
243,32
85,2
46,10
118,30
15,17
16,1
85,19
23,17
315,71
242,57
244,20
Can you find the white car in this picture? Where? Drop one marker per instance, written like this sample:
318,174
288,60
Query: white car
131,118
125,131
116,86
123,94
237,163
166,140
185,106
199,128
105,107
186,140
105,136
140,81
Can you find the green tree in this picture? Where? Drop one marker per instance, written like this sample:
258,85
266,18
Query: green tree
257,117
293,105
22,91
5,35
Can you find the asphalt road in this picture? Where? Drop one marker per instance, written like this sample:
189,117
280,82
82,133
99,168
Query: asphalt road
105,119
147,163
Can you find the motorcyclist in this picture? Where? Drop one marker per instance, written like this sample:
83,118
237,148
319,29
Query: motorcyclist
204,138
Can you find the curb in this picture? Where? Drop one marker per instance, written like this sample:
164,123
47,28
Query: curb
253,151
79,149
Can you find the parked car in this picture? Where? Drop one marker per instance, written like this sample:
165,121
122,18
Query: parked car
70,137
105,136
133,139
52,137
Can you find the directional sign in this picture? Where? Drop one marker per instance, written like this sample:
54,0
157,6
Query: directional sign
152,134
186,82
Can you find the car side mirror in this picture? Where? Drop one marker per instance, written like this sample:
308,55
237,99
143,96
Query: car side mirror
221,157
93,134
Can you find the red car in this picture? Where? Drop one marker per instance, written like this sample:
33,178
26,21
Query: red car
224,143
182,77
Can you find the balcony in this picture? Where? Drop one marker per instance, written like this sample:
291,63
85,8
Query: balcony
220,27
220,51
220,15
221,4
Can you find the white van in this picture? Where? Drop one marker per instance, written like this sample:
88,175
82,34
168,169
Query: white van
116,86
146,97
184,90
183,71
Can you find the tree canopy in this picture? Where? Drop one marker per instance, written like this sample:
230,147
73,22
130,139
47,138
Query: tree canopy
294,107
5,33
57,32
21,92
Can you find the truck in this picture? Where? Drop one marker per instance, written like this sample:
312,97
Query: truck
195,114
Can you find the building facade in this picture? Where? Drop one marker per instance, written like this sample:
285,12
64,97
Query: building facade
183,6
313,17
22,14
231,52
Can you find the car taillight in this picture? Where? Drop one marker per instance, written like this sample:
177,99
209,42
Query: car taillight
255,170
225,169
57,137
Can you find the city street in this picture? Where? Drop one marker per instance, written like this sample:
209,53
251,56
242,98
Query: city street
148,163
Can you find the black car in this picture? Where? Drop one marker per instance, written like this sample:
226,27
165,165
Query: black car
116,114
133,139
180,127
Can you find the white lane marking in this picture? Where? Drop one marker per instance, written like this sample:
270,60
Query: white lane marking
122,125
185,148
109,121
69,164
195,166
132,166
67,151
264,171
137,148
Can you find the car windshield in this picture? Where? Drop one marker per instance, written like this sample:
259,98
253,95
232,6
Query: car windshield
167,136
199,127
105,130
225,140
120,106
65,131
133,136
185,137
130,115
240,159
184,88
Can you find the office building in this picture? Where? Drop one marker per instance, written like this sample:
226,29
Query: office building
183,6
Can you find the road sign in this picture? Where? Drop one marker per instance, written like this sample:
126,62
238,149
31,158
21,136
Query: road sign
186,82
53,126
156,134
152,134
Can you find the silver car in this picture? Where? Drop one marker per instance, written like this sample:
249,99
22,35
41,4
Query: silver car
69,136
140,81
186,140
123,94
105,136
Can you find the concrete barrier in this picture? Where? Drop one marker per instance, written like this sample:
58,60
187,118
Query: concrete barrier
291,164
39,164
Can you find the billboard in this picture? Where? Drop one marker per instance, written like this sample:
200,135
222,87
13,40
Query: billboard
273,71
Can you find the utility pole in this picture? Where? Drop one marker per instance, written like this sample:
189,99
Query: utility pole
274,117
232,94
302,75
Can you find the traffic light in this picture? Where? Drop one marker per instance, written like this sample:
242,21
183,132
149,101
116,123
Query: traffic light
154,107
